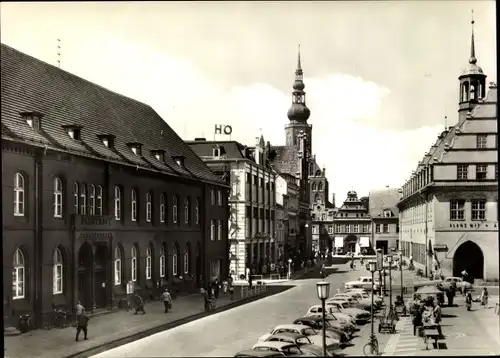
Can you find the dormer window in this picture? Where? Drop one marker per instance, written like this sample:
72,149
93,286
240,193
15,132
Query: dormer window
159,154
74,131
387,213
135,148
32,118
216,152
107,140
179,159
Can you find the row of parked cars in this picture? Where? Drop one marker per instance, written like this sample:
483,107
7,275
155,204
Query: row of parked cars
304,337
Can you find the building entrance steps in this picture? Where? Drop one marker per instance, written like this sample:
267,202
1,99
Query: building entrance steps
105,329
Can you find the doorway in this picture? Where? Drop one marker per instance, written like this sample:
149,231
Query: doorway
382,244
85,275
100,276
469,257
350,244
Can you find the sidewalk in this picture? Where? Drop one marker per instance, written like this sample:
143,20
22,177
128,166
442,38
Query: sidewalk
105,329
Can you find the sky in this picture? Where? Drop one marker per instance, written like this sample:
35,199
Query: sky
380,76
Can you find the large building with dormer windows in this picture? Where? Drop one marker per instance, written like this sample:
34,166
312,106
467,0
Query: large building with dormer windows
449,206
252,202
100,197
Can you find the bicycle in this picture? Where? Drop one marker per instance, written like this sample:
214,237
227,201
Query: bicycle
371,348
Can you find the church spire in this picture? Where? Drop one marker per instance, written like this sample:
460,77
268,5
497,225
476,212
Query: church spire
472,59
298,112
299,67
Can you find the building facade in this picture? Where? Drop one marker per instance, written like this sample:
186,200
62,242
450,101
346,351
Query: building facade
353,225
449,206
385,218
289,190
294,158
93,206
252,200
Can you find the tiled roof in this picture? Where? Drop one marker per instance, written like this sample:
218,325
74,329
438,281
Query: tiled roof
286,160
383,199
29,84
230,149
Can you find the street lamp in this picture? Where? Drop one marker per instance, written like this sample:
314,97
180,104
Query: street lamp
323,289
289,267
389,260
401,270
373,267
382,282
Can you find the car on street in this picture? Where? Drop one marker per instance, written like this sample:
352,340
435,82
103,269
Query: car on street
314,336
461,284
353,301
347,327
364,296
344,307
316,323
288,349
364,282
302,341
258,353
317,309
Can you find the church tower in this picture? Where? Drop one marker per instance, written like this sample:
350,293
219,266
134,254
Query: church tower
298,114
472,82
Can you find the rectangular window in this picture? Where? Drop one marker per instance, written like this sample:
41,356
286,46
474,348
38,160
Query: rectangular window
478,209
57,279
212,230
162,266
377,228
385,228
496,171
481,171
134,269
457,209
99,200
18,282
356,228
330,229
118,272
219,197
212,196
219,230
462,171
338,229
481,141
348,228
148,267
162,208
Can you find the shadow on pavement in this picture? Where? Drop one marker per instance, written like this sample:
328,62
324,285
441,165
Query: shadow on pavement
448,315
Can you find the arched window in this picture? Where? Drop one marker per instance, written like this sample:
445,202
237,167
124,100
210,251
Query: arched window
118,203
186,259
133,266
197,212
83,199
320,186
148,207
58,198
18,195
212,230
57,272
186,210
76,188
174,260
133,200
162,261
148,263
162,208
92,200
219,229
212,197
118,265
99,200
174,209
18,275
314,186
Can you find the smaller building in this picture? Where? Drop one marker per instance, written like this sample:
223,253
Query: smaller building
385,218
288,189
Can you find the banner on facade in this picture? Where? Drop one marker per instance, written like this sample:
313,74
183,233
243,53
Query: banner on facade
339,241
364,241
380,260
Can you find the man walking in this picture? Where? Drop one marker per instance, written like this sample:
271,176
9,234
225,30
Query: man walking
82,321
167,300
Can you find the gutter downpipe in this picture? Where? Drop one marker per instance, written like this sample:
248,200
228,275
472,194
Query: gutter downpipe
37,244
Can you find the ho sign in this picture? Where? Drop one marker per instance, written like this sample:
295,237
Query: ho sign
223,129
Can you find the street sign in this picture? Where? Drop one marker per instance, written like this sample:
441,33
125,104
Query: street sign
380,260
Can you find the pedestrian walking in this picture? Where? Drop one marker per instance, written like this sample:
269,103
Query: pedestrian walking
79,309
417,321
451,293
484,298
206,299
82,322
167,300
216,287
437,317
139,304
231,286
322,272
468,300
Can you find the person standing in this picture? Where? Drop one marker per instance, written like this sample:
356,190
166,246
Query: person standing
139,304
167,300
216,287
231,286
79,309
468,300
484,298
438,318
206,300
82,321
450,293
417,321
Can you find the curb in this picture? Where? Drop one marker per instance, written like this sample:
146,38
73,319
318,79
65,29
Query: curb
167,326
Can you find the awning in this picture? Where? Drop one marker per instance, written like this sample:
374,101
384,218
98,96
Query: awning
339,241
364,241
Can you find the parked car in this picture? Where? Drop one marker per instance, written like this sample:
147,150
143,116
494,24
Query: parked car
344,307
254,353
305,344
345,326
362,295
317,324
288,349
353,301
461,284
317,309
314,336
364,282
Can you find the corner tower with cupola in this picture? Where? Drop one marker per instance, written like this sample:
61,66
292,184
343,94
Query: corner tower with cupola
472,82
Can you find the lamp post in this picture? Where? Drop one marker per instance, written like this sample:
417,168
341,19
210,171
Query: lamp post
389,260
401,270
373,267
289,267
323,289
382,282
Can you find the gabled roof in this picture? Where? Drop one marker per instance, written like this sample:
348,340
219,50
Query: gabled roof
383,199
28,84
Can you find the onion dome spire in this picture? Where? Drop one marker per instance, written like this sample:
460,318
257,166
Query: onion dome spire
298,112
